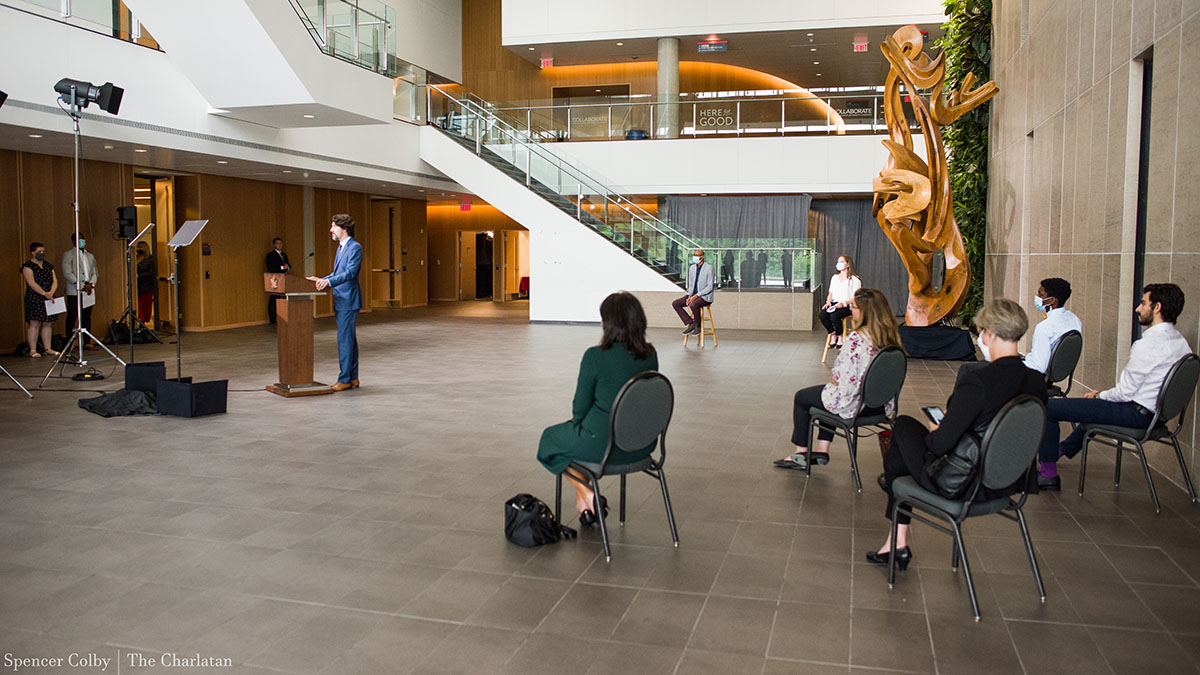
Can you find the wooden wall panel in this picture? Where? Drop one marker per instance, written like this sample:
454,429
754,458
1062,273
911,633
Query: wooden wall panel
415,239
14,251
443,270
445,221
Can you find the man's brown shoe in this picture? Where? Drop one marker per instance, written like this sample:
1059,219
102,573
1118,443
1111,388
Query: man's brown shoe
341,386
354,383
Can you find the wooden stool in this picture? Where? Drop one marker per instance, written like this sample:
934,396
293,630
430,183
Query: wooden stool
828,339
705,313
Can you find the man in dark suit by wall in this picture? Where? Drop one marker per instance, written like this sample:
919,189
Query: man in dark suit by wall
347,297
277,262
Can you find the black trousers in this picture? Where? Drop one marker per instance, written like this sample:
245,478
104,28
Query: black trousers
271,306
906,457
810,397
72,314
833,320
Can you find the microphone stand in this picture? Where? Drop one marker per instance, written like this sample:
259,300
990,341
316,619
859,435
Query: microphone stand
134,320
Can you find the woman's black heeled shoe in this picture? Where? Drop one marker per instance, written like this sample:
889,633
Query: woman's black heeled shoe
587,517
903,558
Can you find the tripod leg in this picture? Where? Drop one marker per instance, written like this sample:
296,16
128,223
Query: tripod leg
84,331
15,381
76,335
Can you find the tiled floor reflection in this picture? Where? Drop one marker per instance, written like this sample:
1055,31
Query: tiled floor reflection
361,532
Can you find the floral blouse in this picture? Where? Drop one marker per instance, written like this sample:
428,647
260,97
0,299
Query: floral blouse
841,395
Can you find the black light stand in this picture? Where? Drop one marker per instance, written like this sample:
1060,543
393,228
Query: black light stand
79,332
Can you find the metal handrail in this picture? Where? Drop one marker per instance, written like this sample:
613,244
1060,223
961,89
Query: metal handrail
576,175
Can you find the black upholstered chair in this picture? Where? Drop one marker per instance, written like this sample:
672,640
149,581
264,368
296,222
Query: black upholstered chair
881,384
640,415
1172,404
1063,359
1005,456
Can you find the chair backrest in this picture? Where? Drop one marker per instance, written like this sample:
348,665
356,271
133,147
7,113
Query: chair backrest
1011,441
641,413
1177,388
1064,357
884,378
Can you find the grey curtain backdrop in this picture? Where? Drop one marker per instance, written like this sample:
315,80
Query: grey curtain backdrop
783,217
845,227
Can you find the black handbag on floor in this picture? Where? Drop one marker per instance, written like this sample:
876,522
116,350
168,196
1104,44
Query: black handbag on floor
529,522
951,473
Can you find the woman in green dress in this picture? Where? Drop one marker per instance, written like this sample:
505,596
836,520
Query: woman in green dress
622,353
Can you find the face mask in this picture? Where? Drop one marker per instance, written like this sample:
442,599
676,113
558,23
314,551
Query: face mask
39,256
841,266
695,260
1037,302
82,243
983,348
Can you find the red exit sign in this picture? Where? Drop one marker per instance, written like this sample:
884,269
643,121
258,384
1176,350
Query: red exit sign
860,47
548,63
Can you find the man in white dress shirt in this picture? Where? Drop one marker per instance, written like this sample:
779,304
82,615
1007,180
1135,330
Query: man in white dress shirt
84,279
1051,297
1131,402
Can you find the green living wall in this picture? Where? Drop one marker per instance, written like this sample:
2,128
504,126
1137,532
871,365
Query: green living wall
967,44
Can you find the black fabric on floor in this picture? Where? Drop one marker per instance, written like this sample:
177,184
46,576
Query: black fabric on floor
121,403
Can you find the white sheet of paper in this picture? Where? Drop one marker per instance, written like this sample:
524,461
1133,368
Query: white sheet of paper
89,299
56,306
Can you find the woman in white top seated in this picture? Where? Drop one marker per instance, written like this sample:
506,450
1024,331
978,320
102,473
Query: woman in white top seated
873,327
842,287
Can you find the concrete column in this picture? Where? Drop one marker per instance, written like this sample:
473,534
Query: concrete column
666,115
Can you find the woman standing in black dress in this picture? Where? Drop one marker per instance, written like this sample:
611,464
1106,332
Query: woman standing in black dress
40,282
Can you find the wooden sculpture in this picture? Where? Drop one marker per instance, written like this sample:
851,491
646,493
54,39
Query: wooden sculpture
913,204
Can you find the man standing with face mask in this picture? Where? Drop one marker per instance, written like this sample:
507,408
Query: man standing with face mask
1050,298
347,297
1131,402
84,278
699,293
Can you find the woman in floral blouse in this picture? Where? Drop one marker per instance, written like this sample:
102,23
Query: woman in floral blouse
873,328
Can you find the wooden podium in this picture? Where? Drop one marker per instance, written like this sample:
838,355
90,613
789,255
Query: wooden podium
294,318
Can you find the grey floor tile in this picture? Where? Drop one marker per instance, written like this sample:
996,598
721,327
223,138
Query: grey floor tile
809,632
964,646
704,662
734,625
887,639
1141,652
660,618
471,649
1052,649
1175,607
521,603
589,611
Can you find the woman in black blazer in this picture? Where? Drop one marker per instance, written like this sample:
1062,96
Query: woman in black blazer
978,395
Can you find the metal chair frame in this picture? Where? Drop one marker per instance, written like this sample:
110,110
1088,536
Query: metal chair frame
1068,341
955,520
848,428
650,466
1115,439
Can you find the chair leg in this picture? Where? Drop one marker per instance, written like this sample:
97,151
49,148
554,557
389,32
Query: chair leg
1117,472
962,553
622,500
1037,576
1187,477
852,441
1083,462
558,501
600,516
1141,452
953,558
662,482
892,553
712,325
826,352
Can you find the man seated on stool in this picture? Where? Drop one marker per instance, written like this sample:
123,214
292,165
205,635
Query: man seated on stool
699,293
1130,403
1051,297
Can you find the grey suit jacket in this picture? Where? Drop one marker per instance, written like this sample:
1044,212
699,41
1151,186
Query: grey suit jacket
705,287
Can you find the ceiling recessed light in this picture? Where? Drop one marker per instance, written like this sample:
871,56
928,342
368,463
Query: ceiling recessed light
620,44
420,190
221,161
108,147
533,49
140,150
287,170
816,63
309,117
35,135
339,178
810,35
818,74
812,49
597,91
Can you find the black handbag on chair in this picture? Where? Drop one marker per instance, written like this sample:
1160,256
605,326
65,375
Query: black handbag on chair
951,473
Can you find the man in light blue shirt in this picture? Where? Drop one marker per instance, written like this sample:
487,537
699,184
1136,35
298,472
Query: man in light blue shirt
699,293
1051,297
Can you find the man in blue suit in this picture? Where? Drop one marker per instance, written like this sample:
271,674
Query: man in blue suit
347,297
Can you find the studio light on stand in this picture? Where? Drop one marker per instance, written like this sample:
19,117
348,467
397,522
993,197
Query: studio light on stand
76,95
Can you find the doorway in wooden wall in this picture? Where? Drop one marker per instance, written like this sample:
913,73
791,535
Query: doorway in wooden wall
154,200
514,264
466,264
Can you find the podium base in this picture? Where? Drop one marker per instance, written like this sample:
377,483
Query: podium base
290,390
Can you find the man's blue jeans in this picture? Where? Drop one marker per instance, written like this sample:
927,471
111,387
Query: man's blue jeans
1088,411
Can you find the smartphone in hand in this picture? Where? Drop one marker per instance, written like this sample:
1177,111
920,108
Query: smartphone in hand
934,413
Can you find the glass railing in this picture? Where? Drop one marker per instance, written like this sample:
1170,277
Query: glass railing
110,17
362,32
774,264
704,114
